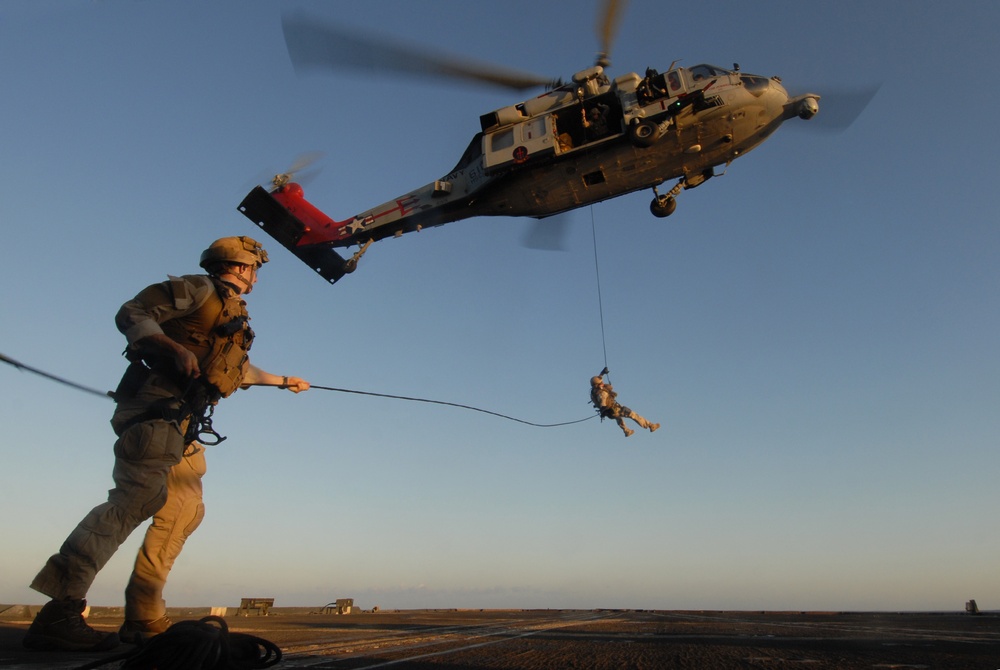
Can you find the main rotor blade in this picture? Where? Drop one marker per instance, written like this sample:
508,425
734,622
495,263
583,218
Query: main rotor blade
313,45
607,28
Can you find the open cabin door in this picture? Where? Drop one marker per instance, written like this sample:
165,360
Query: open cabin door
518,143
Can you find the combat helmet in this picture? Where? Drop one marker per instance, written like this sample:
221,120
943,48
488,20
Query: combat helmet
243,250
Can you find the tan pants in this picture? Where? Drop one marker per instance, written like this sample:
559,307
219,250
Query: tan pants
165,537
150,470
623,413
144,456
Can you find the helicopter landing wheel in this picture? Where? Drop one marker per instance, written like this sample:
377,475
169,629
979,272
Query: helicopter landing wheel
644,133
663,206
351,264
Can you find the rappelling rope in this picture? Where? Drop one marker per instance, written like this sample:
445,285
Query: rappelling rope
108,394
439,402
600,301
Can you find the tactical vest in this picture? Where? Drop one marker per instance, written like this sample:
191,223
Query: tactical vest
218,332
595,397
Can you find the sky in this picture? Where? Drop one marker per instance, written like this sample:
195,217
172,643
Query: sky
816,330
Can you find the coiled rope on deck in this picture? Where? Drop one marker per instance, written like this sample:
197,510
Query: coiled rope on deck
109,394
206,644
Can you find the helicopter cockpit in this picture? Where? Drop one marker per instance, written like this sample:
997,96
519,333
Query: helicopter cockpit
676,82
755,84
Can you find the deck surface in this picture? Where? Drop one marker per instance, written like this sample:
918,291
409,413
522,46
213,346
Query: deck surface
550,639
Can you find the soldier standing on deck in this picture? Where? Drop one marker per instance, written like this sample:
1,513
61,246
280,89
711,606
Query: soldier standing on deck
188,343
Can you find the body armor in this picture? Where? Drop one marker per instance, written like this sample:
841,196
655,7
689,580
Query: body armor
218,333
599,396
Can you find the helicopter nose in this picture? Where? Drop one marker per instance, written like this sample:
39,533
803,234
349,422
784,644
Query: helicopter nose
777,90
802,106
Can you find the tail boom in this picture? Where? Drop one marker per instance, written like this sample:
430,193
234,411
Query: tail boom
300,227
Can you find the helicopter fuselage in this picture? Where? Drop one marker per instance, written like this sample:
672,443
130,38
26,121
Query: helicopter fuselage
538,158
572,146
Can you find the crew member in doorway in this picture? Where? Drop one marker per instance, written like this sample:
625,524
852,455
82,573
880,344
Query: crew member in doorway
595,121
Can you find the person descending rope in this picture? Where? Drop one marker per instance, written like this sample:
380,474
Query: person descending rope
604,398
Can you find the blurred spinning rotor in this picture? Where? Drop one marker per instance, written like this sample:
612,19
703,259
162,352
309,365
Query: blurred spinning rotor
299,170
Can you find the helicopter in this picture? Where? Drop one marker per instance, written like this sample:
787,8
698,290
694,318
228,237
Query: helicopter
577,143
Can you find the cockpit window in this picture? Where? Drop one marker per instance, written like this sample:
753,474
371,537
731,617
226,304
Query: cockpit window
754,84
674,81
702,72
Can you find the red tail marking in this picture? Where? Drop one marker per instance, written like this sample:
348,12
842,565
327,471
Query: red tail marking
318,226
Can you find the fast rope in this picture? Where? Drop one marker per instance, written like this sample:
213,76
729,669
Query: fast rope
108,394
600,301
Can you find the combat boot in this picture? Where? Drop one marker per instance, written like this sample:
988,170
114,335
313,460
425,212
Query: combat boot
138,632
653,427
628,431
60,625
